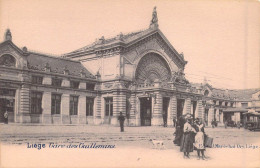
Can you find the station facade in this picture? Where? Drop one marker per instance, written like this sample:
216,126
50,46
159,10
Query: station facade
139,74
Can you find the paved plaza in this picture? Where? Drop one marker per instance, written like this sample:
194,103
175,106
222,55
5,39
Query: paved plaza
133,147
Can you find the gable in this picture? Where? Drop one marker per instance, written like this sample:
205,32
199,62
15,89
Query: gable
7,48
153,42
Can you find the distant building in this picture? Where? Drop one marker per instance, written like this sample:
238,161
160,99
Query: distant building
139,74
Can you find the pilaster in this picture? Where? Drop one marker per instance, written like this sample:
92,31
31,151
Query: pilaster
187,106
25,104
46,106
98,105
173,109
119,105
82,109
211,115
200,110
132,107
65,106
157,118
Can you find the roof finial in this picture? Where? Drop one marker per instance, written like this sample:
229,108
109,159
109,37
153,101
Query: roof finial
154,21
8,35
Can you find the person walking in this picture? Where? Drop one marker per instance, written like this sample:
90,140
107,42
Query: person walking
199,139
121,119
164,119
226,124
6,117
213,124
174,122
187,143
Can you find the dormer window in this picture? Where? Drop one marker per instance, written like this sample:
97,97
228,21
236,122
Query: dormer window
74,84
56,82
90,86
7,60
37,79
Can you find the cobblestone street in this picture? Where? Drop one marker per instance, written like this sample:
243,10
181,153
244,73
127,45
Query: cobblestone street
133,145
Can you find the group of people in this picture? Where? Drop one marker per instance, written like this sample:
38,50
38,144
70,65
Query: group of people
189,135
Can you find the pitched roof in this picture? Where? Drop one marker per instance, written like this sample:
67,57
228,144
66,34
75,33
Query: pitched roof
124,40
38,61
121,38
245,94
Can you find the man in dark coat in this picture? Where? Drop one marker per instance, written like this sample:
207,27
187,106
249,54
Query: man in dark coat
121,119
6,117
174,122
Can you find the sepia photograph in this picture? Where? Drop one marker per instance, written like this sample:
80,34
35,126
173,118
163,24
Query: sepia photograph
148,83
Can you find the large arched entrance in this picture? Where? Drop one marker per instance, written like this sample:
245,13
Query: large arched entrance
152,67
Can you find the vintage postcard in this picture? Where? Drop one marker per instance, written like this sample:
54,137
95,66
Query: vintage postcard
129,83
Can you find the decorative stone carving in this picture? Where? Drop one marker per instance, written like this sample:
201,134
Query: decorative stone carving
108,85
152,67
154,21
7,60
179,78
8,35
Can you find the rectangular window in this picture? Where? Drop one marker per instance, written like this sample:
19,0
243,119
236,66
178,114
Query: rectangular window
55,103
37,80
73,105
90,86
74,84
244,105
36,102
109,106
89,106
56,82
7,92
220,103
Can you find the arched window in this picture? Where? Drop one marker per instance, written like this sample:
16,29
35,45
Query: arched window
7,60
206,93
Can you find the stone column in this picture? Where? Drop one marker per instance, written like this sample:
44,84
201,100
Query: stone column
132,107
46,106
97,110
157,118
217,114
237,116
211,115
65,107
187,106
221,117
137,112
173,109
25,104
200,110
119,105
82,110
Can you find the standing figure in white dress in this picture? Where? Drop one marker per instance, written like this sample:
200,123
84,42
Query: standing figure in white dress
199,139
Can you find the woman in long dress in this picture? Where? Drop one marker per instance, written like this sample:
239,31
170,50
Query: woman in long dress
199,139
187,143
179,131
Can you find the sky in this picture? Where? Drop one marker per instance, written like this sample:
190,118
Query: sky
219,39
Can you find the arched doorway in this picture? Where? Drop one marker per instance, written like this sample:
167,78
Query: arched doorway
152,67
